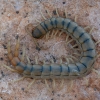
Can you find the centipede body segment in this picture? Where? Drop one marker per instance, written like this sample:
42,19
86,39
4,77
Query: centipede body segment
54,70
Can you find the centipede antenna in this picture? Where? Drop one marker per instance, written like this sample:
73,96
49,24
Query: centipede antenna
29,86
13,70
23,55
18,79
57,12
42,15
62,83
16,53
60,33
54,83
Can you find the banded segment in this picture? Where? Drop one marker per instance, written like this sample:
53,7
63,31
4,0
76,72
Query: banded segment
73,70
88,44
87,61
78,32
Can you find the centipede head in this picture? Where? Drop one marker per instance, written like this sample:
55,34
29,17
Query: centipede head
37,34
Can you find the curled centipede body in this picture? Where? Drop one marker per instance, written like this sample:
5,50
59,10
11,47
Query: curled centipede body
54,70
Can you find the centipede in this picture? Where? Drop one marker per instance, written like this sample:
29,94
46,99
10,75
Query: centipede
58,71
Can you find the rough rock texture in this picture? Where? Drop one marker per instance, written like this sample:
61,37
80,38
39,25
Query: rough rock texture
14,16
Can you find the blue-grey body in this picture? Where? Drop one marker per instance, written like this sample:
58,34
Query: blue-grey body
74,70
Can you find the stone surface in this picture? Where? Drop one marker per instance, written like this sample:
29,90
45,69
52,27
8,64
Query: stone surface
14,16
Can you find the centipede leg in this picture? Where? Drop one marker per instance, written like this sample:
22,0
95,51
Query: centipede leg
37,20
18,79
86,81
75,18
67,60
42,15
76,54
52,34
97,42
71,60
47,85
67,38
49,13
47,35
91,30
57,12
29,86
36,59
87,27
62,82
74,58
69,41
28,60
70,85
56,33
54,83
60,33
97,72
65,13
74,45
